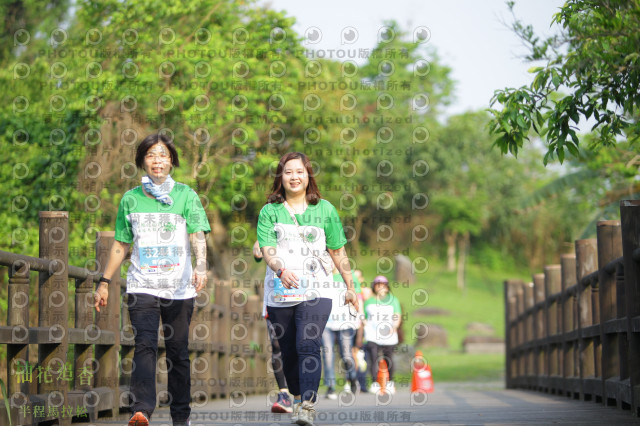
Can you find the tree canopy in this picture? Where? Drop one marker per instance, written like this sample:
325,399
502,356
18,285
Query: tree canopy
235,87
591,71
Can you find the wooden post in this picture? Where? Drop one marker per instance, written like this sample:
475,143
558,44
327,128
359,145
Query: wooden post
577,343
623,341
212,353
609,249
529,301
511,341
83,354
568,264
127,347
553,288
18,318
519,309
251,314
200,333
630,223
238,334
597,342
519,335
569,340
108,320
586,263
223,300
53,308
513,336
541,332
264,355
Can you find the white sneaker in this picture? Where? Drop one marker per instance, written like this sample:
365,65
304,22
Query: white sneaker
351,386
294,414
331,394
306,414
391,388
375,387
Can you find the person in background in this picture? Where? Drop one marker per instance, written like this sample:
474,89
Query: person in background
341,328
301,238
283,404
166,223
382,319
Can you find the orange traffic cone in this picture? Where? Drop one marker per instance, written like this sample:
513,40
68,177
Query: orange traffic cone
421,380
383,375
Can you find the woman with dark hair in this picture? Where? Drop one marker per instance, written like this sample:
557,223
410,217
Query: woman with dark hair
166,223
301,238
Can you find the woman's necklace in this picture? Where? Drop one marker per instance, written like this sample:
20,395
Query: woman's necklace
304,207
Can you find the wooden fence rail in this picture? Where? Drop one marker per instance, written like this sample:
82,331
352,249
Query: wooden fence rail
84,359
575,329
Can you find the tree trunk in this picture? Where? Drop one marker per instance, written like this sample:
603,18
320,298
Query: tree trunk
218,253
463,245
450,238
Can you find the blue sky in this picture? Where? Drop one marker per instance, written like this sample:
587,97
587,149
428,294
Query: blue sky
469,35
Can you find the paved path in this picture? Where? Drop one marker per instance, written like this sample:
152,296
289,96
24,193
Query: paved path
450,404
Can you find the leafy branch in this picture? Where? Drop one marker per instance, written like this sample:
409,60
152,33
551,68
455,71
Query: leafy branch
594,61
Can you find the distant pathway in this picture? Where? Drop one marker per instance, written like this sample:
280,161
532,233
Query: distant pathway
451,403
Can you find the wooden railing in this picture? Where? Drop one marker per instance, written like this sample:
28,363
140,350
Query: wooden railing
82,367
575,330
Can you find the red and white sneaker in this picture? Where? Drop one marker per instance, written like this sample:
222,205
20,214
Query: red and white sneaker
283,404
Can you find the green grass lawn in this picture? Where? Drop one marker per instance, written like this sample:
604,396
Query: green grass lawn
460,367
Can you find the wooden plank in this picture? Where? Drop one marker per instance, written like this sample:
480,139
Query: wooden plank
47,335
615,326
591,331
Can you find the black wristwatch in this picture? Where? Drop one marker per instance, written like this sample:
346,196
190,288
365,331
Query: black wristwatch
104,280
279,272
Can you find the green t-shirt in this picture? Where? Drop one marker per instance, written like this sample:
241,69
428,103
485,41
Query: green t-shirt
161,253
320,221
319,229
379,314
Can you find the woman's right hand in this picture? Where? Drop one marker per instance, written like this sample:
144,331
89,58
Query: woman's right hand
351,297
100,296
289,279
